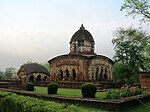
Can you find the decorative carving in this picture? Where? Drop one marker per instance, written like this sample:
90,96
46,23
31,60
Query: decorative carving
61,63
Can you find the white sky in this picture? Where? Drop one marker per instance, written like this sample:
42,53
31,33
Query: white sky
39,30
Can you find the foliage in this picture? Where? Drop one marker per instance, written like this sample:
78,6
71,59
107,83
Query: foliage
137,84
9,73
10,102
46,65
140,108
29,86
130,51
125,91
52,88
120,72
1,74
147,58
88,90
137,7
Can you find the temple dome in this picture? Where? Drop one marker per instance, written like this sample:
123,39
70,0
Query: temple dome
82,42
81,35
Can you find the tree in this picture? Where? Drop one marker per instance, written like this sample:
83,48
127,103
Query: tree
30,61
1,74
129,45
139,8
46,65
147,58
119,72
10,72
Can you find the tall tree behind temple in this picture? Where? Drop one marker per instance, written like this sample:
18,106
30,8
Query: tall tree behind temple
129,45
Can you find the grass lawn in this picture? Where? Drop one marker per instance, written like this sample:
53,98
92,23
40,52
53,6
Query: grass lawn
100,95
140,108
147,91
69,92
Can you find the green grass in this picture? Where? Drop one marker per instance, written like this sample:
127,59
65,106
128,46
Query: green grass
140,108
147,91
69,92
99,95
83,108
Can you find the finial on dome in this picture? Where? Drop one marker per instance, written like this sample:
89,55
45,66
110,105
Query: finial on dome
82,28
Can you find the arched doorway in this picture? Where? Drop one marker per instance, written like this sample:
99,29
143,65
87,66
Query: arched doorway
60,75
45,78
105,74
31,78
25,79
101,74
73,74
67,74
96,74
38,78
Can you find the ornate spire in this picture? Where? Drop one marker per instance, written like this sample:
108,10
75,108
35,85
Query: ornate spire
82,28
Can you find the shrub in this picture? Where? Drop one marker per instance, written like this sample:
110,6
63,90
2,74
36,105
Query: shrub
112,94
52,88
11,102
137,84
88,90
29,86
125,91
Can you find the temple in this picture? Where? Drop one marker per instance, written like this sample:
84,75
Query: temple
81,64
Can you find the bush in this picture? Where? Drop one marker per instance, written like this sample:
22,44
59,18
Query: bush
88,90
29,86
137,84
125,91
52,88
112,94
11,102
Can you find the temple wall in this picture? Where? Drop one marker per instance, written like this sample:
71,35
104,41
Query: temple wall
98,69
68,65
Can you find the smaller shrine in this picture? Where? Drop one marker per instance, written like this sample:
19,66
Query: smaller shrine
33,73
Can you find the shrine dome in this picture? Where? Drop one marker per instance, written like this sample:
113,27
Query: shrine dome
82,35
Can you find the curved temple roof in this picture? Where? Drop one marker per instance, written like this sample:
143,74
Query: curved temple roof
35,68
81,35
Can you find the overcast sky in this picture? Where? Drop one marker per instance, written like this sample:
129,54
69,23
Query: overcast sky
39,30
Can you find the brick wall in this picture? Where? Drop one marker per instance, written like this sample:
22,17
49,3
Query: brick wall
144,78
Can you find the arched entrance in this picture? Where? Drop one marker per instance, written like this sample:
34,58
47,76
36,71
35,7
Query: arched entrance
67,74
96,74
31,78
45,78
25,79
105,75
101,74
60,75
38,78
73,74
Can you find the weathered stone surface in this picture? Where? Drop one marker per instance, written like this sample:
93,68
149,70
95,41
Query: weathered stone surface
81,64
33,73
